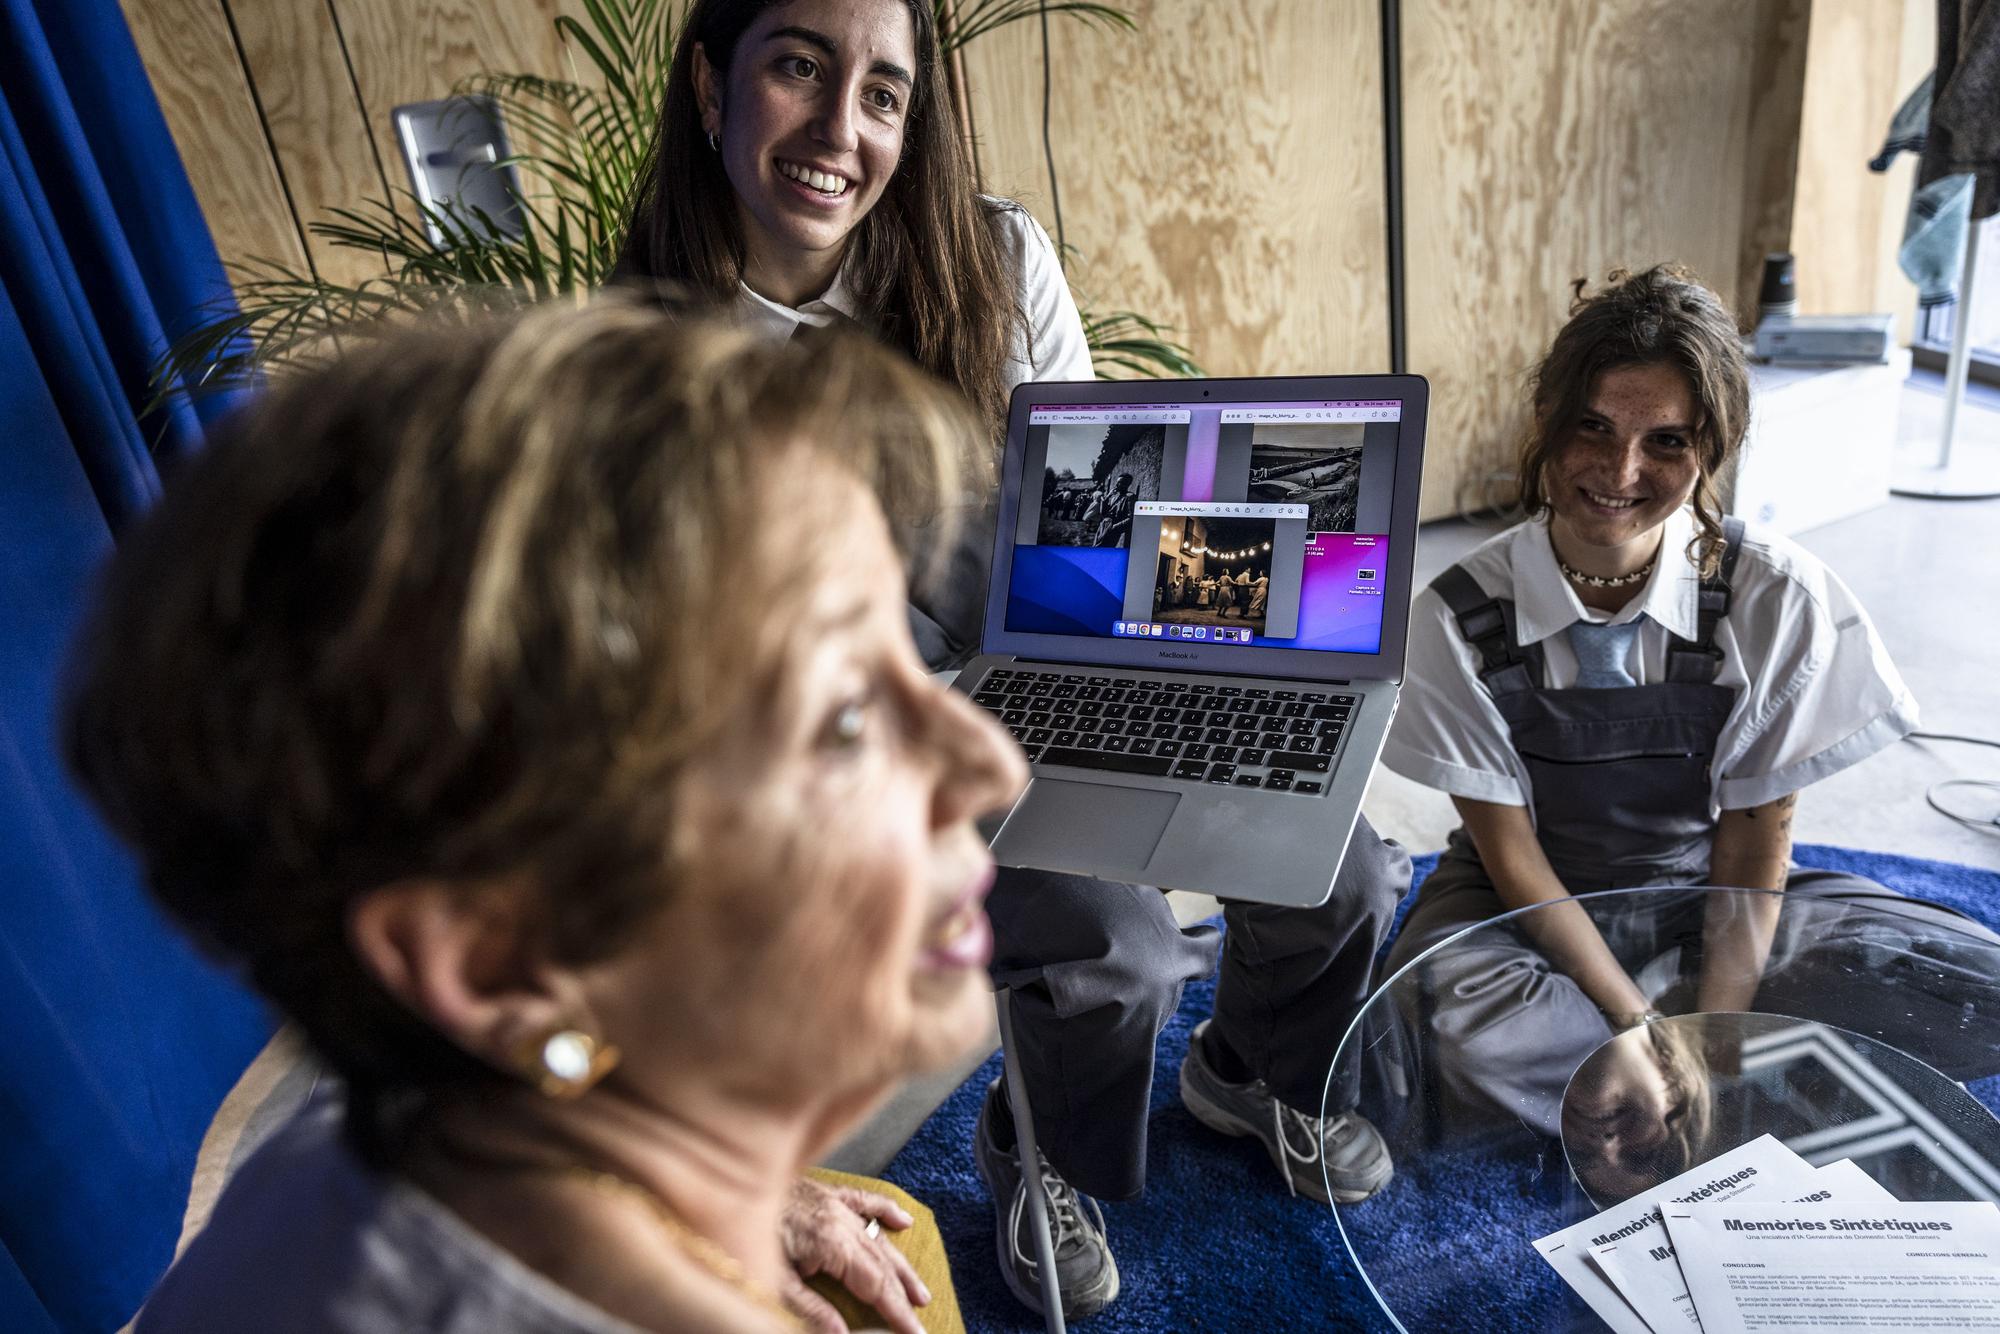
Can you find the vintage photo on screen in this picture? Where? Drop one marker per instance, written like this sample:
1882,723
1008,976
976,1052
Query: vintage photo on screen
1317,465
1213,571
1095,474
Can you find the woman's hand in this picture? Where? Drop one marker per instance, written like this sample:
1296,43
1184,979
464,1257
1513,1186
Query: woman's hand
826,1231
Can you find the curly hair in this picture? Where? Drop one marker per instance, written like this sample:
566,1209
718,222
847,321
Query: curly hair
427,613
1662,316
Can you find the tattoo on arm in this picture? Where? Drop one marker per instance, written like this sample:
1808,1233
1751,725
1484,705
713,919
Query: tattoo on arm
1782,808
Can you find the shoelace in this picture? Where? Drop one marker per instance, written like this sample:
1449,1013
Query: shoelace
1313,1130
1066,1208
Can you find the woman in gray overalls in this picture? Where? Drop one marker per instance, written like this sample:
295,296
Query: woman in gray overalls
1629,690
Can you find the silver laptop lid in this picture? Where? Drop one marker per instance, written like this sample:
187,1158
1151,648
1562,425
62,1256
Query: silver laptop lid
1258,526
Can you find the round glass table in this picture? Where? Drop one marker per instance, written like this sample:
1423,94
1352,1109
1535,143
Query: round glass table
1868,1029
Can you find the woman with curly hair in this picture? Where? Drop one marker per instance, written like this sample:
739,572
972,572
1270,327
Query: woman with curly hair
1629,689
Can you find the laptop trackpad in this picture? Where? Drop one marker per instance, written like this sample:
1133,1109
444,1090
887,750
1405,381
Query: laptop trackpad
1091,827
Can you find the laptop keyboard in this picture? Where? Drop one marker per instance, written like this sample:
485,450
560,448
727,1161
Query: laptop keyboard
1245,736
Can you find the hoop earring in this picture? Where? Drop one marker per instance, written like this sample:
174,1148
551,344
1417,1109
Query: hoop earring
566,1063
714,144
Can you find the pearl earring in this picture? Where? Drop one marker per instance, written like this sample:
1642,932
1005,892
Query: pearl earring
566,1062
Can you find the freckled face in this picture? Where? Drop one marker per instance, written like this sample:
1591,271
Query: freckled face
811,115
1629,464
827,929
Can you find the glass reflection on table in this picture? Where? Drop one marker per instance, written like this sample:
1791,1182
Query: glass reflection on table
1659,1099
1874,1034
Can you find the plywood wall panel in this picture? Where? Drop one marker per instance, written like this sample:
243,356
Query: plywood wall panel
1865,57
421,50
1221,170
191,58
1771,153
1847,221
293,52
1547,142
331,126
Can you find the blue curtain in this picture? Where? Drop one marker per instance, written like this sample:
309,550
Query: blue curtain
116,1041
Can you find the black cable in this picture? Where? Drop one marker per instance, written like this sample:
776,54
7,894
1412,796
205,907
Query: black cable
354,82
1392,178
1048,147
271,143
1952,736
1987,825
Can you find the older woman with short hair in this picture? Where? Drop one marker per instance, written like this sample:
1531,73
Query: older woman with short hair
503,701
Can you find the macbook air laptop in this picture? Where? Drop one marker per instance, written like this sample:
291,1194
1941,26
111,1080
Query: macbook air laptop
1195,623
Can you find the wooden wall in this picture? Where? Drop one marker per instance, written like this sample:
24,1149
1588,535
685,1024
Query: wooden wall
1544,140
1864,57
1547,141
326,74
1221,169
189,47
1771,152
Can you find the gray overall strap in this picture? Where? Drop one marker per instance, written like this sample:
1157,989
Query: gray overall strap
1488,625
1698,660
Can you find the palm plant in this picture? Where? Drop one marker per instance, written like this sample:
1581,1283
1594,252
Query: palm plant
963,21
578,146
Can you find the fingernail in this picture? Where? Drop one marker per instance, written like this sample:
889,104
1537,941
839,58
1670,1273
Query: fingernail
923,1294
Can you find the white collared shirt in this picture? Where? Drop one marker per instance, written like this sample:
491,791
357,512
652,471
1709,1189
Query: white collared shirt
1815,690
1055,347
947,611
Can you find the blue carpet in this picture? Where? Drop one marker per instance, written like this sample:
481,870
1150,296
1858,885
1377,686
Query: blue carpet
1216,1243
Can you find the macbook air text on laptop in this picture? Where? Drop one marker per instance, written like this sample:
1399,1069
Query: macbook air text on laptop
1195,623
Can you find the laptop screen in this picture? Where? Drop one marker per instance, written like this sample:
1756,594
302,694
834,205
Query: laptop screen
1231,524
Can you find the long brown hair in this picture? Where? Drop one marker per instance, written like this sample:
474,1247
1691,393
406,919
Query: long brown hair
926,262
1663,316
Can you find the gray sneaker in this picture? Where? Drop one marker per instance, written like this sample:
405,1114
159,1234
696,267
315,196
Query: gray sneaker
1086,1275
1309,1150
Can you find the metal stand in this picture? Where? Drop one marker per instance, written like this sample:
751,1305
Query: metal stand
1975,472
1030,1160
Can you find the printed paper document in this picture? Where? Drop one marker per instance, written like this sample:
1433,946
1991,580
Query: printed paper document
1750,1165
1775,1268
1647,1275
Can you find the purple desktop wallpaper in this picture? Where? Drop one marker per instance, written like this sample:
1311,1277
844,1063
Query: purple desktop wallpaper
1338,611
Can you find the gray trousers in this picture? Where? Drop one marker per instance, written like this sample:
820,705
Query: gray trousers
1097,970
1847,952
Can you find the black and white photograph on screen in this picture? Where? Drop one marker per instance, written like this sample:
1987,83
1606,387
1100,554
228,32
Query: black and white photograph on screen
1214,572
1317,465
1094,475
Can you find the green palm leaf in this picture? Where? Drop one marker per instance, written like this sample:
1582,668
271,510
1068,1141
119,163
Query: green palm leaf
968,20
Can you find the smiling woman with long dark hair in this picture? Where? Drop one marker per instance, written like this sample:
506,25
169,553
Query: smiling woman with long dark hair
808,169
807,162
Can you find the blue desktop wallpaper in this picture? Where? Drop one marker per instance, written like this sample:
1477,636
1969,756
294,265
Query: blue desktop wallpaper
1066,590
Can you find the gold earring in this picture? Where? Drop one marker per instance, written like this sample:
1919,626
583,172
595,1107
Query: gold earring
565,1062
